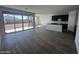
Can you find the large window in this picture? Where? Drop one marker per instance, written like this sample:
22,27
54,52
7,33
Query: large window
17,22
9,23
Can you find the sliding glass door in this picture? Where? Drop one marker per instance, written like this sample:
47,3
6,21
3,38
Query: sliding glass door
18,22
9,23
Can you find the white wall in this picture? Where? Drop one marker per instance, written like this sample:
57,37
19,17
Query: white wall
44,18
77,35
72,20
37,21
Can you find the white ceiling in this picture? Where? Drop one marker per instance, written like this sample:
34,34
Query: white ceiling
45,9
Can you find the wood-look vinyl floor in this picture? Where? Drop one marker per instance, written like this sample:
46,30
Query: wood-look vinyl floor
40,41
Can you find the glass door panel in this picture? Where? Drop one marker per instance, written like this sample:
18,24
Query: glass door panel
25,22
30,22
9,23
18,22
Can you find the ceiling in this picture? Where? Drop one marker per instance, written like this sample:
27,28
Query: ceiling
45,9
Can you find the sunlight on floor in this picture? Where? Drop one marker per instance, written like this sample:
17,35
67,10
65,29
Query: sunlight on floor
18,29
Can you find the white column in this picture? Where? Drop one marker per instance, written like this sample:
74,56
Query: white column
77,36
